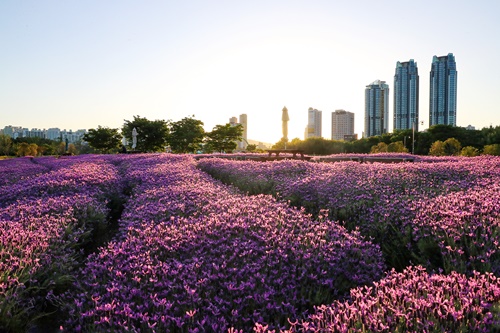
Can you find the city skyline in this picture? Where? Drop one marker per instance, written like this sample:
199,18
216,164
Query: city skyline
81,65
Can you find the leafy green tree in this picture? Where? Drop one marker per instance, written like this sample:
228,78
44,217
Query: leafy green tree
452,147
33,149
317,146
469,151
397,147
103,139
186,135
83,147
493,150
281,144
61,148
251,148
152,135
381,147
423,142
491,135
23,149
72,149
5,144
223,138
362,146
437,148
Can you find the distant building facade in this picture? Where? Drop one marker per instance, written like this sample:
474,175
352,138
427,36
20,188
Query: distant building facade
233,121
13,131
406,91
51,134
376,108
443,91
342,124
313,129
244,123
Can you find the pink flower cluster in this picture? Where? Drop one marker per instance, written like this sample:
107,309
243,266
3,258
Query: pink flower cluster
413,301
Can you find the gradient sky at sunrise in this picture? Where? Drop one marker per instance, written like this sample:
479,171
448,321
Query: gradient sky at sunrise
80,64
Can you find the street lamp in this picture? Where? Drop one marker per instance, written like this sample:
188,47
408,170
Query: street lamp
413,138
413,134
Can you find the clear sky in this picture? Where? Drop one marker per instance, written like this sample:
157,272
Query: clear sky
79,64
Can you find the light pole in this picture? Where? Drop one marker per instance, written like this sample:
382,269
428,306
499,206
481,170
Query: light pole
413,134
413,138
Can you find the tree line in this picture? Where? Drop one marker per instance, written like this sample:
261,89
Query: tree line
188,136
184,136
438,140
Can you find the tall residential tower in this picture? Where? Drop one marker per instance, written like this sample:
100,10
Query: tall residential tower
313,123
406,88
376,108
443,91
342,124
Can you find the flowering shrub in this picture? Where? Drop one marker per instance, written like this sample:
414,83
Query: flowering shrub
397,205
461,230
413,301
15,169
194,255
46,223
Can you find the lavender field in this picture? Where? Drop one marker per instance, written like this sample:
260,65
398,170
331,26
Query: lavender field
165,243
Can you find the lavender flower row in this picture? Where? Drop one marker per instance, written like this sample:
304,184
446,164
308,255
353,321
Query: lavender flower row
43,234
194,255
79,176
15,169
412,301
395,204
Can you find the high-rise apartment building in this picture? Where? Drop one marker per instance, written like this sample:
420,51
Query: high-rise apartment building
342,124
443,91
53,133
243,121
406,89
313,123
376,108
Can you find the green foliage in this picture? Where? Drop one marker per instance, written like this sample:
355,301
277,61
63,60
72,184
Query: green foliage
72,149
397,147
493,150
103,139
313,146
152,135
251,148
186,135
5,144
437,148
452,147
381,147
469,151
223,138
26,149
61,148
491,135
282,144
